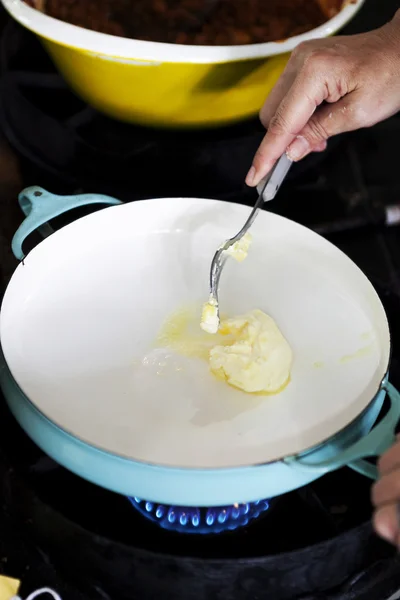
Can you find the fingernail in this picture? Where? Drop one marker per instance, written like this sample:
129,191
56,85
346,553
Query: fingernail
298,148
387,532
385,525
321,147
250,176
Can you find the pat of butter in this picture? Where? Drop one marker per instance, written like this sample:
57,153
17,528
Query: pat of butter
209,316
240,249
259,359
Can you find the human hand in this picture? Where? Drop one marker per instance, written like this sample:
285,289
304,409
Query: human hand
328,87
386,496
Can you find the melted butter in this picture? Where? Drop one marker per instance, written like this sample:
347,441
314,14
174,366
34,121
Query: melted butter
263,393
259,360
221,376
360,353
181,333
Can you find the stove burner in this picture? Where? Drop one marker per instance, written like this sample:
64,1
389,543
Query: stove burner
189,519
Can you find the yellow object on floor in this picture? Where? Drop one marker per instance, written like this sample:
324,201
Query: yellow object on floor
8,587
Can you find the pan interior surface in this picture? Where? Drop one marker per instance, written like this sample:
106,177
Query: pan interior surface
81,317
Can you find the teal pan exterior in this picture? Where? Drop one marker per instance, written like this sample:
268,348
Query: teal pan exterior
207,487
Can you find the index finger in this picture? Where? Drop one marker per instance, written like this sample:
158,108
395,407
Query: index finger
291,116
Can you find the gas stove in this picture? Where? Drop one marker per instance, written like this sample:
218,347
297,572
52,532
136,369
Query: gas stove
60,531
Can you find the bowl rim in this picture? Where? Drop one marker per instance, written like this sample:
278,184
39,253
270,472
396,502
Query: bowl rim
114,48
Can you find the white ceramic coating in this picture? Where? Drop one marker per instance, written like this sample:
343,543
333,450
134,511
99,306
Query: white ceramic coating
109,45
80,318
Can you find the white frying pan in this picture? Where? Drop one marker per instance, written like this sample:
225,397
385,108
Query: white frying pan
84,375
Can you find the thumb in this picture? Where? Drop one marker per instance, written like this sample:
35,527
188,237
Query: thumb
327,121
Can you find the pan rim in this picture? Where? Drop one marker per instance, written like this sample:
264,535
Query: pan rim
312,446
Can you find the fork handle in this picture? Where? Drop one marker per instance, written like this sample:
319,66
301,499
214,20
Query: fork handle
269,186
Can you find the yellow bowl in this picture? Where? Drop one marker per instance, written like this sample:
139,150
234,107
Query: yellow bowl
166,85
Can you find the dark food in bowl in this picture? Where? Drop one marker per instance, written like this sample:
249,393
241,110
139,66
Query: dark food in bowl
198,22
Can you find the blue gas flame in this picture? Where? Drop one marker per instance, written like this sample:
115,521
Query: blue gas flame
189,519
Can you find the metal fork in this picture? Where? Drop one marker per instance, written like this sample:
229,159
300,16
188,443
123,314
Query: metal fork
267,189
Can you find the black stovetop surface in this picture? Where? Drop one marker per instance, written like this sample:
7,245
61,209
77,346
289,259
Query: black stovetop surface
58,530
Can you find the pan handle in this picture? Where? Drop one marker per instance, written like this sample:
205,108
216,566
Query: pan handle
40,206
377,441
